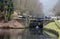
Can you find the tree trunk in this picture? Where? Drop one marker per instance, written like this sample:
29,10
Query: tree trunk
6,16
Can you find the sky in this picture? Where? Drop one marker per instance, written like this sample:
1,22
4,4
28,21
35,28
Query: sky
48,5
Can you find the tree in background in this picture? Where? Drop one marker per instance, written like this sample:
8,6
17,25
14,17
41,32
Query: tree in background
6,9
56,9
28,7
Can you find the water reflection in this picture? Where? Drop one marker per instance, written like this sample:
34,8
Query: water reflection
20,34
10,33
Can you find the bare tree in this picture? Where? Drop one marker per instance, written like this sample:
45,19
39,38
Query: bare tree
56,9
32,7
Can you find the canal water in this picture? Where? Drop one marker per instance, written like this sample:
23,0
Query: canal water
21,34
